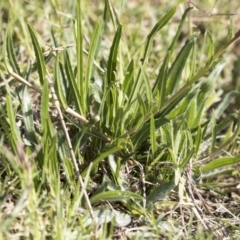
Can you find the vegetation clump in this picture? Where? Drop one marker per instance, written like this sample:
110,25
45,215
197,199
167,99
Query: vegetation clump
116,124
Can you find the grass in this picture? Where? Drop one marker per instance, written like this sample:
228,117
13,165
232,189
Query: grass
116,122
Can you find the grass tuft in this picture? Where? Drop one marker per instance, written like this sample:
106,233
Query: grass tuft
116,122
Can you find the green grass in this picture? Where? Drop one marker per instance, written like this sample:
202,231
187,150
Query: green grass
116,123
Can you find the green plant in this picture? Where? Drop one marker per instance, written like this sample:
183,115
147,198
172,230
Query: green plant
109,133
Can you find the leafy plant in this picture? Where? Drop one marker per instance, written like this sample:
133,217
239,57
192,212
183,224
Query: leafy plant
110,133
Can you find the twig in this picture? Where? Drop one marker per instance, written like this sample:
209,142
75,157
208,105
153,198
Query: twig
85,121
57,105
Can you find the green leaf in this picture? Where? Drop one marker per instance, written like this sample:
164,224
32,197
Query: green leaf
101,157
214,133
160,83
183,90
147,89
81,81
172,105
179,31
112,60
183,106
159,193
28,116
175,72
198,139
93,50
147,50
109,10
222,125
58,83
186,160
195,110
176,141
153,134
143,132
10,50
159,25
15,133
115,196
220,163
229,139
129,78
45,105
39,56
210,47
75,94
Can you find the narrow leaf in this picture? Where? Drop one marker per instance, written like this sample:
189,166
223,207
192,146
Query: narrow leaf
160,83
39,56
10,51
159,193
115,196
198,139
93,50
112,61
214,133
175,72
186,160
81,81
143,133
76,97
153,134
220,163
148,47
12,122
28,116
59,87
101,157
210,48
